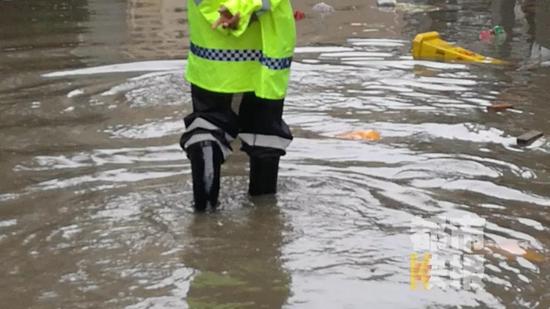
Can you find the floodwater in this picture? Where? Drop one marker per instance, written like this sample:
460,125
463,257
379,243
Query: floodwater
95,200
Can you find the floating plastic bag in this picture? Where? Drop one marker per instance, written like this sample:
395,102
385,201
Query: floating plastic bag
323,9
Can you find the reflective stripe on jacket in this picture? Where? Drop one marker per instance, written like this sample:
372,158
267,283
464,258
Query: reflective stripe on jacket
255,56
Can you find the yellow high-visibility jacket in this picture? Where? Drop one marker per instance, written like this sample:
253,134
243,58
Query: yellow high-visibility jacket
255,56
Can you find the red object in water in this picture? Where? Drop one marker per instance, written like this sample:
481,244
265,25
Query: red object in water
299,15
485,35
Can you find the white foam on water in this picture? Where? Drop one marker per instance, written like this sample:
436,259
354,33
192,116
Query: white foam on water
321,49
526,264
148,130
413,8
141,66
377,42
179,280
450,81
363,59
8,223
386,2
531,223
482,187
75,93
407,64
423,85
312,61
8,197
355,54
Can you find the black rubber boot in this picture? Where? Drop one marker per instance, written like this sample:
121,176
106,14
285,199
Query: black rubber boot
263,175
206,159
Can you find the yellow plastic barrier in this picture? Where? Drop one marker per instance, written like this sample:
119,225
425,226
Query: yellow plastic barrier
429,46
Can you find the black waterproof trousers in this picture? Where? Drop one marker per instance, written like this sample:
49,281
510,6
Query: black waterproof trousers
221,117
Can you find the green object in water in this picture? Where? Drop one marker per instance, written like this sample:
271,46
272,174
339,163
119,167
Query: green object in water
212,279
498,30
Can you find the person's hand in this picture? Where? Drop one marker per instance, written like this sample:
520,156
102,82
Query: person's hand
226,20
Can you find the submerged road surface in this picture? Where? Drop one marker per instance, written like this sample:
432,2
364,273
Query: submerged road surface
95,196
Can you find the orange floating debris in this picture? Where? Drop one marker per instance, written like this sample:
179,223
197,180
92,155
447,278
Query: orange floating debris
499,107
365,135
511,249
534,256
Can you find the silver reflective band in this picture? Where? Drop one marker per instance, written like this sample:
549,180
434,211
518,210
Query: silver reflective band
207,137
238,55
266,6
208,177
205,124
270,141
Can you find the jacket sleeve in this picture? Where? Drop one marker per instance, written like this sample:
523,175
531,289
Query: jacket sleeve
246,8
208,10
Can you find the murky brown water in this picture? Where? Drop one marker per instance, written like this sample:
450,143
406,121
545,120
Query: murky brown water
96,194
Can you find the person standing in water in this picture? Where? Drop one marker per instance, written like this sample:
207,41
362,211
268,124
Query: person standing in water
240,55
